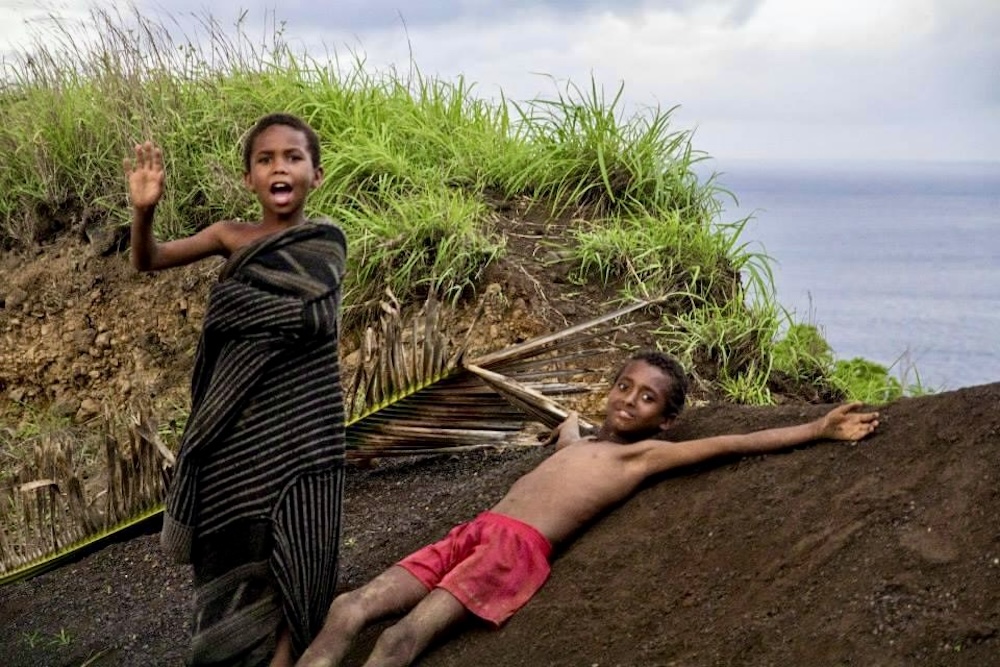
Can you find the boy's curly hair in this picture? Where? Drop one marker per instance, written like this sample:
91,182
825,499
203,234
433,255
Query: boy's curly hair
672,369
289,120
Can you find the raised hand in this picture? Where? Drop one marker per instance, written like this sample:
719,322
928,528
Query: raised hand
845,423
145,175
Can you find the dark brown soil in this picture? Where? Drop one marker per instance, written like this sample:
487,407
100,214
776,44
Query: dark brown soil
882,553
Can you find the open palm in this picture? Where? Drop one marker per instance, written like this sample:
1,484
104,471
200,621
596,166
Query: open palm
145,175
845,423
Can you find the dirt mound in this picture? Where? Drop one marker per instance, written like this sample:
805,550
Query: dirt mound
80,329
885,552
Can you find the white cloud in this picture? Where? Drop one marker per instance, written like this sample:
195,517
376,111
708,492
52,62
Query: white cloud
844,25
21,22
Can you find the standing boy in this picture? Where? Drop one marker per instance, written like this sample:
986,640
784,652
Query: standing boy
491,566
255,500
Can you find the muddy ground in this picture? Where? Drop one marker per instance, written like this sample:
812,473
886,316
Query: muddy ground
885,552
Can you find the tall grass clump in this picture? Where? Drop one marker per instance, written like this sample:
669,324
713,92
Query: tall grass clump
585,152
726,346
644,218
804,356
76,106
430,243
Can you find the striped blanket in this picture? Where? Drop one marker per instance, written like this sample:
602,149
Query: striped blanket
256,497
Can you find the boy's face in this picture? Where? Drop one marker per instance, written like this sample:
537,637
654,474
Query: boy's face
281,170
636,402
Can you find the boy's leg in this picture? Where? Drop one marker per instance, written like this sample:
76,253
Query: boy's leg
400,644
395,591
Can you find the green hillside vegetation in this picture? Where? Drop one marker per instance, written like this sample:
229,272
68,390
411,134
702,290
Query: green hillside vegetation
413,167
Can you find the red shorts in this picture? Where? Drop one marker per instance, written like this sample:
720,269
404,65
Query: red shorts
492,564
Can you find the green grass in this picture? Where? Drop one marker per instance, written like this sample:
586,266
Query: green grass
728,345
411,164
36,639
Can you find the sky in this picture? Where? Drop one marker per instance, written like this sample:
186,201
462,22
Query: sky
752,79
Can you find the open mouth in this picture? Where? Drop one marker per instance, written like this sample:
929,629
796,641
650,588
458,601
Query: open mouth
282,192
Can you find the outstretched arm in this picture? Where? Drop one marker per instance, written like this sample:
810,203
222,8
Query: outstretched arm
146,178
841,423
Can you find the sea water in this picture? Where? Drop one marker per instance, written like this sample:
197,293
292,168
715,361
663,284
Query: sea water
898,263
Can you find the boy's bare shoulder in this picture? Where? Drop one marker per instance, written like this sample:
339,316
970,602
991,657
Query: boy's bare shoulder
234,234
237,227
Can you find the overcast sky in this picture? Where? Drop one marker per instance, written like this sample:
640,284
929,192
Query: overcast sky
816,79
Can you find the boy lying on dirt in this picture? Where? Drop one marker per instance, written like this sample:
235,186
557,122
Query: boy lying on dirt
491,566
255,501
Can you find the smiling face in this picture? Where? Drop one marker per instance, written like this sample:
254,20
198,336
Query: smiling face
636,403
281,172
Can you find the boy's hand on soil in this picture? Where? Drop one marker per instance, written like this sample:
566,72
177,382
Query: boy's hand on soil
145,175
845,423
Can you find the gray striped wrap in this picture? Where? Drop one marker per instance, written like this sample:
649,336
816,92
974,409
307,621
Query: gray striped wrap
255,501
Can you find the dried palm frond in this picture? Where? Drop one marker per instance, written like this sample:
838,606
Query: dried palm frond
399,360
414,392
51,512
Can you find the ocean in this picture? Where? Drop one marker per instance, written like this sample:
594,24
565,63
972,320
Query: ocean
895,262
